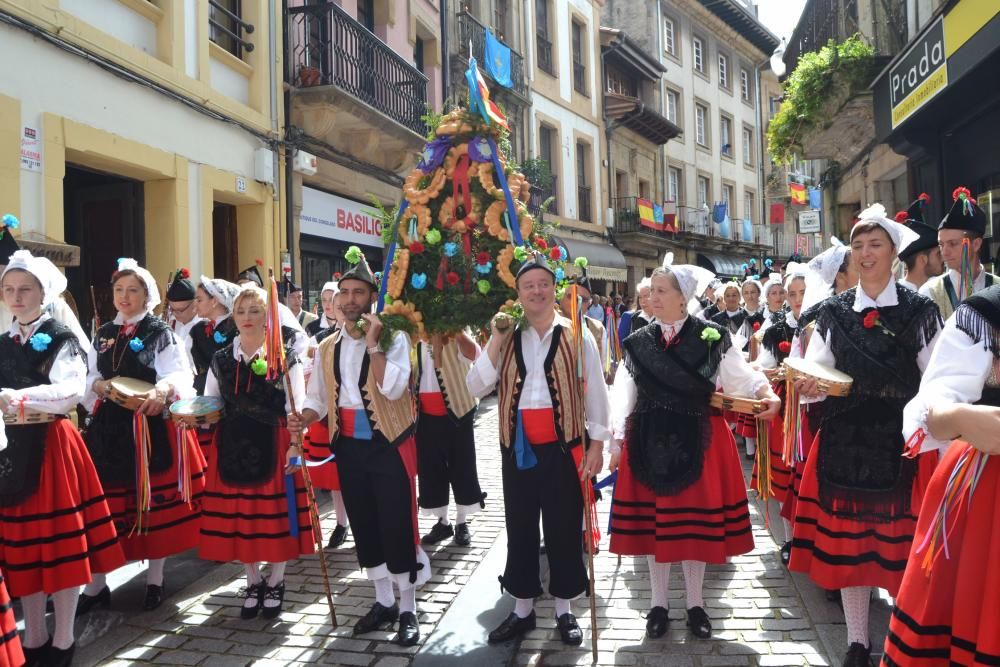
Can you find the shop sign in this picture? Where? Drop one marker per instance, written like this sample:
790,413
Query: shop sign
333,217
919,75
809,222
31,149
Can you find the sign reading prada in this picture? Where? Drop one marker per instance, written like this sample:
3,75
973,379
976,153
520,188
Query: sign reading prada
919,75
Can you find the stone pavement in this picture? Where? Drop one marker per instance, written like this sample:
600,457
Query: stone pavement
762,615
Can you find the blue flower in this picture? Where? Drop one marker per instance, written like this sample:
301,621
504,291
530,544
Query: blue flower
136,345
563,255
450,249
484,268
418,280
218,337
560,274
10,221
40,342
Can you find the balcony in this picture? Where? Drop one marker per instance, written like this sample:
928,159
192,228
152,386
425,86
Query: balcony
583,204
471,30
539,195
694,228
352,90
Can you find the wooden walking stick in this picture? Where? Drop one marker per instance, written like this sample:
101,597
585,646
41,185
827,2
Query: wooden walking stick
274,348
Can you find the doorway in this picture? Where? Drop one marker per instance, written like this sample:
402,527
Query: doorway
104,215
224,241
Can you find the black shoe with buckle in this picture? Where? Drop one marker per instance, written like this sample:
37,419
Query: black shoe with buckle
87,602
698,621
440,531
273,593
337,537
462,535
858,655
154,597
409,629
253,592
513,626
378,616
569,630
657,622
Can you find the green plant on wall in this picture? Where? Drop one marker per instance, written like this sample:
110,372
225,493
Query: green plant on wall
820,76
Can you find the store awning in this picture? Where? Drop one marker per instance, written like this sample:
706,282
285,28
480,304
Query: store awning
57,252
605,262
723,266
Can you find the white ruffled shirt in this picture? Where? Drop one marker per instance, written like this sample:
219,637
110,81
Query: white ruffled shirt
67,378
295,376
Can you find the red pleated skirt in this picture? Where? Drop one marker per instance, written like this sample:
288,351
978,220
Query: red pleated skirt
171,525
206,438
809,435
951,616
249,523
62,534
781,474
10,645
837,552
317,448
708,521
746,425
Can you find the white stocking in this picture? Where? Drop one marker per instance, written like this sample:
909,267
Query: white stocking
383,592
694,578
659,582
35,631
277,574
856,600
408,600
65,605
523,607
154,574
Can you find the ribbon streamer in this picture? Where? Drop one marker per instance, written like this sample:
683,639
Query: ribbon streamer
390,254
143,490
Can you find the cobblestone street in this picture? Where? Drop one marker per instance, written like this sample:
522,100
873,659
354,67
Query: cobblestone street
762,615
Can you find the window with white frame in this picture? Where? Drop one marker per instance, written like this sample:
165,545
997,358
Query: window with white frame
700,116
673,103
669,41
704,187
698,47
748,206
723,71
726,135
747,146
674,184
745,85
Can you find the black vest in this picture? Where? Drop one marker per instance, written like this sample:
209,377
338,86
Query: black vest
778,332
205,342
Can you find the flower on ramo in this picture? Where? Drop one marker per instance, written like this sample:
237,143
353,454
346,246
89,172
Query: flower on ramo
450,249
581,262
563,255
219,337
555,253
483,286
710,335
453,278
136,345
484,268
258,366
520,254
353,254
417,247
418,280
40,341
433,237
483,258
784,347
540,242
560,274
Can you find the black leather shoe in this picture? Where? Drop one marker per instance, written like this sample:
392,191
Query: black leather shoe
253,592
378,616
569,630
154,597
337,537
36,657
462,535
786,553
60,657
409,629
439,532
698,621
513,626
87,602
657,622
858,655
833,595
273,593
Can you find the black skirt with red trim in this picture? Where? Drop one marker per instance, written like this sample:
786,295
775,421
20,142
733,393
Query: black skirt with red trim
836,552
951,614
709,521
10,645
171,524
317,448
62,534
250,523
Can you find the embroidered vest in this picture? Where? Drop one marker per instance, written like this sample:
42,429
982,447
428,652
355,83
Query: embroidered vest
943,291
393,420
451,379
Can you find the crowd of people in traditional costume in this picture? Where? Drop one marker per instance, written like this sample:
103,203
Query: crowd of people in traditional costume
889,484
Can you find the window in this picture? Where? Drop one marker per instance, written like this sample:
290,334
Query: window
579,70
643,189
748,206
225,26
700,115
673,102
546,151
748,146
773,105
366,14
726,135
669,44
723,71
583,192
621,84
745,85
727,198
699,54
542,42
704,189
674,184
500,18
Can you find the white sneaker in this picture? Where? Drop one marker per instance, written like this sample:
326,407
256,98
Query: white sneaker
751,448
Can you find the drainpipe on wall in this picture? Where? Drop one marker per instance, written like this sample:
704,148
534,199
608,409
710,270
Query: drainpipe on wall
445,54
760,155
290,239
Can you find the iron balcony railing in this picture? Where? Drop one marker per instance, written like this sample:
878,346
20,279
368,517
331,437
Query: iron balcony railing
471,30
539,195
329,47
689,221
226,27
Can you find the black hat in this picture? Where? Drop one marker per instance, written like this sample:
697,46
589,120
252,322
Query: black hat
360,271
916,209
535,261
8,244
252,274
964,215
582,281
181,288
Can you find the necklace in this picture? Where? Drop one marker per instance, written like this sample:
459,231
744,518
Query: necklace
117,359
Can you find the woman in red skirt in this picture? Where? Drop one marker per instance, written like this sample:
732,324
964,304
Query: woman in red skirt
317,441
11,654
680,494
138,345
55,526
756,318
948,608
255,506
856,518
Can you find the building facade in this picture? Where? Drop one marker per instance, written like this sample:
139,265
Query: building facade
142,129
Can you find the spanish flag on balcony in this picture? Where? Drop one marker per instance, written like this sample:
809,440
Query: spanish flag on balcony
799,194
646,217
479,96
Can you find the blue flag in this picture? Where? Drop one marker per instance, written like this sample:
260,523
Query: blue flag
497,56
815,198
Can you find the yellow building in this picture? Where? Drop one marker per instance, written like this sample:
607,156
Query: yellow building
143,128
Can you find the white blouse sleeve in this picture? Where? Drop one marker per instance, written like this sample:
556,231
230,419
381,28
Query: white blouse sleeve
737,377
172,367
819,351
397,368
67,385
212,384
93,375
482,376
315,393
296,378
765,359
623,395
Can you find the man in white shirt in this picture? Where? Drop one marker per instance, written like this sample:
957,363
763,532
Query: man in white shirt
553,430
293,299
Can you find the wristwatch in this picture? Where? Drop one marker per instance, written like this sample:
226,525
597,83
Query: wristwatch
374,349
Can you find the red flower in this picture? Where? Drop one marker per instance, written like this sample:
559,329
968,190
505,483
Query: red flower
756,326
924,197
416,247
184,274
483,258
902,217
453,278
961,190
554,253
336,275
871,319
784,347
259,262
540,242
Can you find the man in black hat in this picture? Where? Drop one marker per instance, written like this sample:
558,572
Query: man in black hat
922,257
250,275
362,389
293,299
542,418
965,221
180,305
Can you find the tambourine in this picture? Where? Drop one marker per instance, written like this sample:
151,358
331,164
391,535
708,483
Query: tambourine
197,411
129,393
27,417
830,380
746,406
776,374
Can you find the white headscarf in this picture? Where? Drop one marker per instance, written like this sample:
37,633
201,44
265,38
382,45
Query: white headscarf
152,291
773,280
52,280
222,291
692,280
332,286
901,235
827,264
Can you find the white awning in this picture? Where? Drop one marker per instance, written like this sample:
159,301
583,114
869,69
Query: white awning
604,261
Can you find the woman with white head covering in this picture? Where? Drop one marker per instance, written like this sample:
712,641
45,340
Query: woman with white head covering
213,302
674,454
57,529
136,344
856,514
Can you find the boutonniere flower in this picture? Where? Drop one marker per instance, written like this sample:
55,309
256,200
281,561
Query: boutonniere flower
710,335
219,337
40,342
756,326
258,366
136,345
873,320
784,347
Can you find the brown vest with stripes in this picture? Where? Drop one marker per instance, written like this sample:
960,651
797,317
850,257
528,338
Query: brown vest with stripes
451,378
